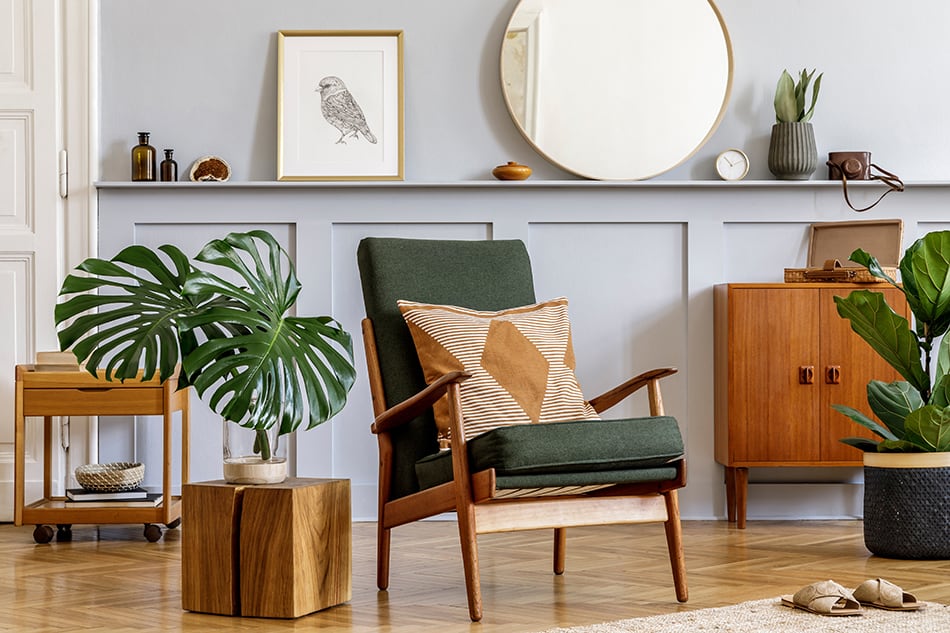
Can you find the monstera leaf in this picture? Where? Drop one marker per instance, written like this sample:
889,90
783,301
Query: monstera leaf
252,362
261,377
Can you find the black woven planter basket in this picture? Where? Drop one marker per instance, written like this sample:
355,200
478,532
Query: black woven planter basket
907,512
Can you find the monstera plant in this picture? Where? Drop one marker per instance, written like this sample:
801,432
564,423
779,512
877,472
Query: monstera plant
915,412
236,343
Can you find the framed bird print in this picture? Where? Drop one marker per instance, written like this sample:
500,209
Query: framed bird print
339,105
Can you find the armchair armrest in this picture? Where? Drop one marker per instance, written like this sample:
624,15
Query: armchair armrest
649,378
411,407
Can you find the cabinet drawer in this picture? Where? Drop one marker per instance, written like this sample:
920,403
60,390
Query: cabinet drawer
93,401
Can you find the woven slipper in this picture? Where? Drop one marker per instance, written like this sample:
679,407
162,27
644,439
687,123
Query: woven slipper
824,598
881,594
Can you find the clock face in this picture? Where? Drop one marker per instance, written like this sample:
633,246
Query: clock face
732,164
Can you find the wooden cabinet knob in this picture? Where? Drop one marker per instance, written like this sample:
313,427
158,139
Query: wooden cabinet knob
833,374
806,375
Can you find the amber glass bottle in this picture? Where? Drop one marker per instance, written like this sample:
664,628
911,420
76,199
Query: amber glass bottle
143,159
169,168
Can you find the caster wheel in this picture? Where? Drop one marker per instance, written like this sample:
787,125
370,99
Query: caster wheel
43,534
152,532
64,533
173,524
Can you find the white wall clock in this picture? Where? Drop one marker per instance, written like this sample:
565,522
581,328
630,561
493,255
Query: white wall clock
732,164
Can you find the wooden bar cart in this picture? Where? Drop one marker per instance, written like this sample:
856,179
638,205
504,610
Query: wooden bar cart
57,393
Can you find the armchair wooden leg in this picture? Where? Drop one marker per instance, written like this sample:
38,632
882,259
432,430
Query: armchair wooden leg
382,556
674,541
560,549
469,542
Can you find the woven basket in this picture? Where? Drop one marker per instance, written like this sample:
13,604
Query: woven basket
113,477
907,512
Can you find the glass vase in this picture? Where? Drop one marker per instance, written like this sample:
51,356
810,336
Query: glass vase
254,456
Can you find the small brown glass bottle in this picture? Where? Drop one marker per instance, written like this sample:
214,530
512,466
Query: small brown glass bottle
143,159
169,168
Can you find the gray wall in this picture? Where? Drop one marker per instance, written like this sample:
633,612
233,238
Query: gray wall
201,76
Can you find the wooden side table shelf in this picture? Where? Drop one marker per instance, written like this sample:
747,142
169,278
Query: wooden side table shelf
56,393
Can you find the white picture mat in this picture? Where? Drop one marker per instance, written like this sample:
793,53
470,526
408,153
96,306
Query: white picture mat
369,67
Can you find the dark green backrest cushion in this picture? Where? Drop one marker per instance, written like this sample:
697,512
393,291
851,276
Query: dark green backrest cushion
480,274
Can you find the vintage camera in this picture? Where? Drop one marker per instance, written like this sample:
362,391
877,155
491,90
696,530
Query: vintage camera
853,165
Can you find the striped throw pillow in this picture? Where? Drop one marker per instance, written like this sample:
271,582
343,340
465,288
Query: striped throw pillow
521,361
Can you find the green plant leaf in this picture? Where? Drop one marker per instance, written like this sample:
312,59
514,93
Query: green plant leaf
929,428
136,327
925,273
864,421
870,262
943,361
861,443
940,397
887,332
791,96
898,446
814,98
246,357
280,359
785,106
892,402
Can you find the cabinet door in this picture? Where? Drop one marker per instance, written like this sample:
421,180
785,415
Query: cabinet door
773,409
847,364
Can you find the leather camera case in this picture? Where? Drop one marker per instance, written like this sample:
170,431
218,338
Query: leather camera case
854,165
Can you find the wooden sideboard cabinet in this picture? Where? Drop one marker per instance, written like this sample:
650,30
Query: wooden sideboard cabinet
783,356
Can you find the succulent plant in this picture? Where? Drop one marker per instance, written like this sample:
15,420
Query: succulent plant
790,97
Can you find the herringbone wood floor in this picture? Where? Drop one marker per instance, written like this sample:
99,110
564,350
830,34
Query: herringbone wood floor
111,579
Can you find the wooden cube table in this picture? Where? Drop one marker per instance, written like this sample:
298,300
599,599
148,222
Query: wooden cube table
270,551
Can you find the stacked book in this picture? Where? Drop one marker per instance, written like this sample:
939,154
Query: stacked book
135,498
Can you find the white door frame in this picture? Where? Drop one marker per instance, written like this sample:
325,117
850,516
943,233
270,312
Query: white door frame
47,105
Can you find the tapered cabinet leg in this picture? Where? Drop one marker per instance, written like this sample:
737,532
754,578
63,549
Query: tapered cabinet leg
674,541
730,474
742,496
560,549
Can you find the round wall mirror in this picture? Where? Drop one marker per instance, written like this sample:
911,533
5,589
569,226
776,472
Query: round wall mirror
616,89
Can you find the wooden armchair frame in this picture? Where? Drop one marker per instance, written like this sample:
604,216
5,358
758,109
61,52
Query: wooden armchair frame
472,495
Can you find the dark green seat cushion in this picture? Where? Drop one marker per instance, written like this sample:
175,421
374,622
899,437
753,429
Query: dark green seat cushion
575,451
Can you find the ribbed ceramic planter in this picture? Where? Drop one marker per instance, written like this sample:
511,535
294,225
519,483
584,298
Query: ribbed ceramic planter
793,154
906,505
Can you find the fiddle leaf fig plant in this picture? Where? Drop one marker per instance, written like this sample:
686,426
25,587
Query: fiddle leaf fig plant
790,97
915,412
237,344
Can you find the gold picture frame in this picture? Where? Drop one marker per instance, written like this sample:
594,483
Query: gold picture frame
340,105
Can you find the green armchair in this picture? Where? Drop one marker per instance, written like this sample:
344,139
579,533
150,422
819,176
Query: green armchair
527,476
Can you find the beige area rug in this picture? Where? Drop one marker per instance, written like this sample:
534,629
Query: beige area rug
768,616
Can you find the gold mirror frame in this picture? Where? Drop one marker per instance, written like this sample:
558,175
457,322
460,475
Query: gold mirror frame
565,81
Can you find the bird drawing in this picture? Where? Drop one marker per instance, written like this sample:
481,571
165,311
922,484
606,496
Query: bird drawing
341,110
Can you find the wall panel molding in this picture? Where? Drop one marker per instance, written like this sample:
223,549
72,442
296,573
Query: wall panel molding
638,263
